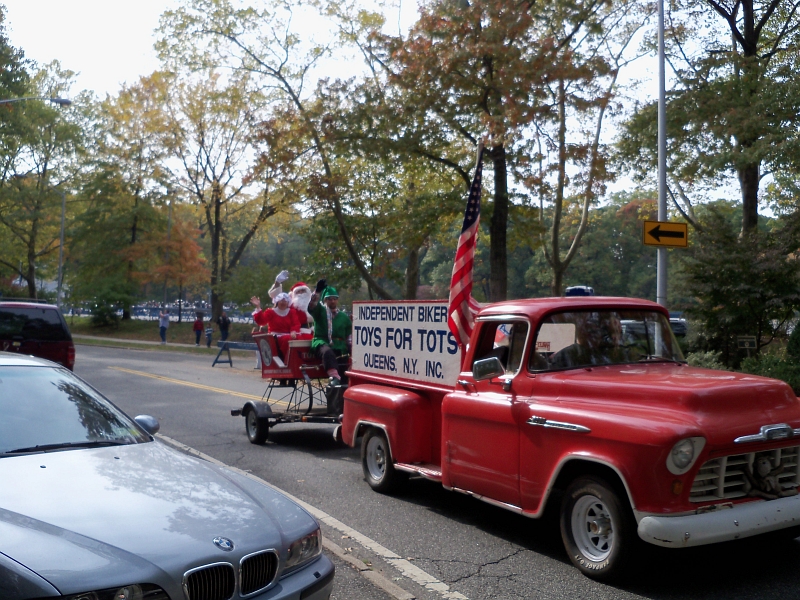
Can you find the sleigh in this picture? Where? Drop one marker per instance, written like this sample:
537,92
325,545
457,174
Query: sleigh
298,389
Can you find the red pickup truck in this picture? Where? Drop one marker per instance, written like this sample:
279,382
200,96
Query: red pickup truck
586,402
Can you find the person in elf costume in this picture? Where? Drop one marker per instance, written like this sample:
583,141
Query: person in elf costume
333,329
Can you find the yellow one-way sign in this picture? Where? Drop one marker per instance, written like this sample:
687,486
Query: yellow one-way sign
665,233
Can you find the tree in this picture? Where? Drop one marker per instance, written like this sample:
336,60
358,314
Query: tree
735,104
122,192
175,258
742,285
208,131
207,34
35,165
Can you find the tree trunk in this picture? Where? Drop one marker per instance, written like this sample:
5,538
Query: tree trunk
748,181
498,255
412,274
215,228
558,281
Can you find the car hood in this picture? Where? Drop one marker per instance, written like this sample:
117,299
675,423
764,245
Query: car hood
139,512
723,404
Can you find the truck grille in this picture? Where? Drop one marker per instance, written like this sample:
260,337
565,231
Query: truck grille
258,571
724,478
212,582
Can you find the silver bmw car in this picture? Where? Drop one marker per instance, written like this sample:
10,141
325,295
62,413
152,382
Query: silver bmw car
93,508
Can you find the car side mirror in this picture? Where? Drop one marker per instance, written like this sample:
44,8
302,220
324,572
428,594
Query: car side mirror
486,368
148,423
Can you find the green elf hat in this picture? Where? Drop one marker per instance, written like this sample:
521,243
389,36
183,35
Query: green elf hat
329,292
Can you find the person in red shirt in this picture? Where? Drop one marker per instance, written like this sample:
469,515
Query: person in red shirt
281,320
197,327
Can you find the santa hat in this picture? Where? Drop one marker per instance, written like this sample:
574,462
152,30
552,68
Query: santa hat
297,285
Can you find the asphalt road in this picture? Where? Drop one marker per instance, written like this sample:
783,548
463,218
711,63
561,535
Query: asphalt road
424,542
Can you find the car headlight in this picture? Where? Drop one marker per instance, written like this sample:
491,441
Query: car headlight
683,454
303,550
128,592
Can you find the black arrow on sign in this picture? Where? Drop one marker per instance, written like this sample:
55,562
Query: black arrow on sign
658,234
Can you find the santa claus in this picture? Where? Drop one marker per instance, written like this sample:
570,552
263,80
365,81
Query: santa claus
300,296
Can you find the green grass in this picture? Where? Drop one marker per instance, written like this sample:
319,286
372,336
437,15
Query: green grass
177,333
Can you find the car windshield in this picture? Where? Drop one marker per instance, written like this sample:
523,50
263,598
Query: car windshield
603,337
45,409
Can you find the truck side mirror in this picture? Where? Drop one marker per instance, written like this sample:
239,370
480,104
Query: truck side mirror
486,368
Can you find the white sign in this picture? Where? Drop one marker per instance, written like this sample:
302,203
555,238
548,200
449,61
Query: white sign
408,339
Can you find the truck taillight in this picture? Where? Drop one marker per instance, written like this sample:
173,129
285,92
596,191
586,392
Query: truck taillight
70,357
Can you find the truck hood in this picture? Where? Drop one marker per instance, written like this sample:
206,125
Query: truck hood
723,405
142,512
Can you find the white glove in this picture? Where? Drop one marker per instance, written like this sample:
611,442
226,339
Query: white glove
282,276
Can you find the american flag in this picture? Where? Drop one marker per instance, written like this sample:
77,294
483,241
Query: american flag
462,306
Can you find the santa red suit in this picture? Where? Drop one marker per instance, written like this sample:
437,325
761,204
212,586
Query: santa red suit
281,322
299,296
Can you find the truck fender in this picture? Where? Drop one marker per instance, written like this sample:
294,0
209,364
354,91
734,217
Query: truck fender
572,466
403,415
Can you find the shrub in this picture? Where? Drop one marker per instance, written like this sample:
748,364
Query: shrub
706,360
793,347
105,315
772,365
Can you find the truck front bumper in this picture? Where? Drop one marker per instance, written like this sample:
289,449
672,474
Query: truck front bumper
740,521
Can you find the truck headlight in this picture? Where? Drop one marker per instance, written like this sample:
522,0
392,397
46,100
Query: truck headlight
303,550
683,454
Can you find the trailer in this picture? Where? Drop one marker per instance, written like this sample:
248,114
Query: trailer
297,390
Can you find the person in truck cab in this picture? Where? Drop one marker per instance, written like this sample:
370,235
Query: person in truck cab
333,330
598,341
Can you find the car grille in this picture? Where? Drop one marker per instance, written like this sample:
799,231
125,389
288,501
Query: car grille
724,478
258,571
212,582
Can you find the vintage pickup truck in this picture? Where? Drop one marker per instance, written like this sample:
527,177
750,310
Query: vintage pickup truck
586,402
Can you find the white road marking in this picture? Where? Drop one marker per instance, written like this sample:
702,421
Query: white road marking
409,570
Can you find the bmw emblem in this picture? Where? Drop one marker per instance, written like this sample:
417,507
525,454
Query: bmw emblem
223,544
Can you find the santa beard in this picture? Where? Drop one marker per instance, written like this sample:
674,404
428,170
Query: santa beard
301,296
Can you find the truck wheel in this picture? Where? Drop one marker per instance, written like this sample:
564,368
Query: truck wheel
257,428
597,531
376,462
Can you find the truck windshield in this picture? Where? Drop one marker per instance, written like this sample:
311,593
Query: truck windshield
603,337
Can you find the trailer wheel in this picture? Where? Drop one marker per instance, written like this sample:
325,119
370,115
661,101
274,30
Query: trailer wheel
376,461
257,427
596,529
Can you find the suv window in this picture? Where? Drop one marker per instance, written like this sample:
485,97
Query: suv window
32,323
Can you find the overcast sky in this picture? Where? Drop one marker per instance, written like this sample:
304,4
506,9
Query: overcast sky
108,42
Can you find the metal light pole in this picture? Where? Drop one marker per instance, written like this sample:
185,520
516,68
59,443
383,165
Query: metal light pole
54,100
661,262
59,102
61,249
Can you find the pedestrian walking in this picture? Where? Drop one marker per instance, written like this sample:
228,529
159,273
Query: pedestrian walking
197,327
163,323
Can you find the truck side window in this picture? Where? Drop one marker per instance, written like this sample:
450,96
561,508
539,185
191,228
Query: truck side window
505,340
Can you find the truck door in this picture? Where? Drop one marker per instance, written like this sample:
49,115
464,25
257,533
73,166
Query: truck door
480,432
545,428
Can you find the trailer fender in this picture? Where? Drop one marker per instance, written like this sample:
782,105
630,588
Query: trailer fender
262,409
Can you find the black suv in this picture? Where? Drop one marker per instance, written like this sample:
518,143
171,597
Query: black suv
36,329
